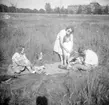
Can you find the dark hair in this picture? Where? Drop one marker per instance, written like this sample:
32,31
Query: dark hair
19,48
70,27
81,51
22,46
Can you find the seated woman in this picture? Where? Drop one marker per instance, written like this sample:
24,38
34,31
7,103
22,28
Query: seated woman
87,60
20,62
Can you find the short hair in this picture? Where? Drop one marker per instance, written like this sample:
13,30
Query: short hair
81,51
19,49
70,27
22,46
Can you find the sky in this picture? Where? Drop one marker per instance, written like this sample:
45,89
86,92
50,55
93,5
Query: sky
38,4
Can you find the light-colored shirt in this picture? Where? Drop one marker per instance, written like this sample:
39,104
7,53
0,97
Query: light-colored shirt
16,57
20,59
91,58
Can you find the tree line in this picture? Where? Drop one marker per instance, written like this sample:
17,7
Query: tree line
79,9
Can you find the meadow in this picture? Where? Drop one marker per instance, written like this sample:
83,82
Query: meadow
37,32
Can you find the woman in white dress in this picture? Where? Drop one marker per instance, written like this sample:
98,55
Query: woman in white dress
64,44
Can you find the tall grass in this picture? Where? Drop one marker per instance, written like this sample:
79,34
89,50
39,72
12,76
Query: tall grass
5,94
89,89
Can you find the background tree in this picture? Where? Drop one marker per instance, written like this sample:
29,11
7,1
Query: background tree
13,6
106,10
35,11
63,10
48,8
4,8
70,11
88,10
41,11
79,10
12,9
56,10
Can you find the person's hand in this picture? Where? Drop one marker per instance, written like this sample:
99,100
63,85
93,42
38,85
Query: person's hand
21,63
68,51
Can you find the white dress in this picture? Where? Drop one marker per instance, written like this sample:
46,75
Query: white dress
57,47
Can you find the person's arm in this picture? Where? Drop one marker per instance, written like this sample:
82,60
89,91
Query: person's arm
72,42
25,59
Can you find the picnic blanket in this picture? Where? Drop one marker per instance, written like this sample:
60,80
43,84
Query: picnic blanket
49,69
54,68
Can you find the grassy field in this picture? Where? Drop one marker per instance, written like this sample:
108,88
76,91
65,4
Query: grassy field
37,32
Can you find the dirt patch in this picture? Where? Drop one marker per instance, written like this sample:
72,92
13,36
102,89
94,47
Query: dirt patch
51,69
